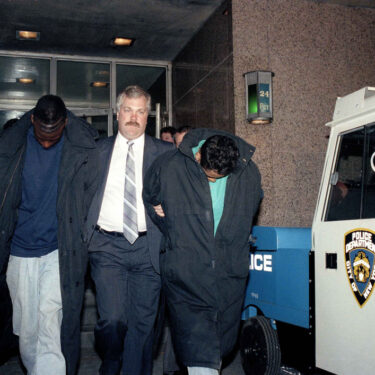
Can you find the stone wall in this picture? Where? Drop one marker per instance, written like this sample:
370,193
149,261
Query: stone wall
203,76
317,51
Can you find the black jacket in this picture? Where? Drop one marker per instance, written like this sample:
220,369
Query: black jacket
204,276
152,149
76,186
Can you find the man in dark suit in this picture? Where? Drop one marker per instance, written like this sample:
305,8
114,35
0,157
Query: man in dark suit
124,243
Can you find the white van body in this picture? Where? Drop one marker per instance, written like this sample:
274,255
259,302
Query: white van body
343,240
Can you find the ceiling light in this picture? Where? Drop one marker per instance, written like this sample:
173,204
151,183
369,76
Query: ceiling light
99,84
27,35
25,81
122,42
102,72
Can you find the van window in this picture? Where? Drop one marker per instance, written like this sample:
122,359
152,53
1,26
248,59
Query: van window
352,193
369,180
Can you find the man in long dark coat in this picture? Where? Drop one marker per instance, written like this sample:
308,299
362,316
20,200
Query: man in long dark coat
204,196
48,170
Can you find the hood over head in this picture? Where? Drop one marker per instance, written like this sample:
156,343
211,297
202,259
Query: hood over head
194,136
81,136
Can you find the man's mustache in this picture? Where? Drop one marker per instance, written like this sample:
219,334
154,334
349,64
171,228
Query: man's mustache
132,123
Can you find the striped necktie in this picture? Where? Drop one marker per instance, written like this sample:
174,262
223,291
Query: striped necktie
130,198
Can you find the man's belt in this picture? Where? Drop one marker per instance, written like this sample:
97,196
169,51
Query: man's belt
116,234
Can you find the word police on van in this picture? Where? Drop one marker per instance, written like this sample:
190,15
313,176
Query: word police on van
261,262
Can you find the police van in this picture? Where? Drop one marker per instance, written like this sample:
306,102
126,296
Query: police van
310,297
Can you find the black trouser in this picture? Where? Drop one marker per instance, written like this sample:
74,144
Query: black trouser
127,294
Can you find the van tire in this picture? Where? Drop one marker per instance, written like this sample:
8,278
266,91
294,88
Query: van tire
259,347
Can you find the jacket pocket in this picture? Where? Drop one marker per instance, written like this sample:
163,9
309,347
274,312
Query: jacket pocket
236,259
190,226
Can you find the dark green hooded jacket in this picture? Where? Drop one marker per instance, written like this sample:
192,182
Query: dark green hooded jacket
204,276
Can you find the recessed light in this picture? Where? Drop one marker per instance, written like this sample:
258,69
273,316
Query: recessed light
122,42
27,35
102,72
99,84
25,81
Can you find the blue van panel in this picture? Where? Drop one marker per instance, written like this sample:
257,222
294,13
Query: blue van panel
279,275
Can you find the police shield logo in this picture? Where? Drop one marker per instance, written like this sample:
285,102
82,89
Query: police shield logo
360,259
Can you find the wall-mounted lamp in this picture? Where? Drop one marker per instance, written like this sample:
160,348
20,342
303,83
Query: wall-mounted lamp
259,97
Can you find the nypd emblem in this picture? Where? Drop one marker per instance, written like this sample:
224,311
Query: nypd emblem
359,260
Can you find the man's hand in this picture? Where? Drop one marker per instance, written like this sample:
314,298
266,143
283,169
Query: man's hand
159,210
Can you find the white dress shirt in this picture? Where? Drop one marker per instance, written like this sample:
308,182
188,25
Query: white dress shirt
111,215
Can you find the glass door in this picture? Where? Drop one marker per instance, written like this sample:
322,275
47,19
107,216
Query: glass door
22,81
154,81
89,88
86,90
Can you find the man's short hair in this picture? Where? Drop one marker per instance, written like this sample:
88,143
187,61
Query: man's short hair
168,129
49,109
184,129
134,91
219,153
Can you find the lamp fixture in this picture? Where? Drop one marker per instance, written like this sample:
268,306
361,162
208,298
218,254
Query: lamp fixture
122,42
99,84
259,97
102,72
27,35
26,81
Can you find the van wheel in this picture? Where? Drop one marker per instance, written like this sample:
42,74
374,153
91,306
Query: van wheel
259,347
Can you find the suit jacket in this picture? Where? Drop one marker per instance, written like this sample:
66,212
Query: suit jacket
152,149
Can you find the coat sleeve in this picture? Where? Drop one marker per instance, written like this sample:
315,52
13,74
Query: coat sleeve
258,193
152,194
